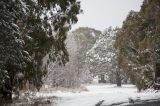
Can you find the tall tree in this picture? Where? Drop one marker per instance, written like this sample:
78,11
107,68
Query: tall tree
13,56
31,30
137,43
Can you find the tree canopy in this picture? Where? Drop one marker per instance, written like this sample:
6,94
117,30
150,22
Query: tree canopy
31,30
102,57
138,44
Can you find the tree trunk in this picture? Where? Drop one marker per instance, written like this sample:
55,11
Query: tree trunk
157,73
9,91
118,79
102,79
7,94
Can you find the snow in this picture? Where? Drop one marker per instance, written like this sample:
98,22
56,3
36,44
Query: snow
24,6
109,93
93,34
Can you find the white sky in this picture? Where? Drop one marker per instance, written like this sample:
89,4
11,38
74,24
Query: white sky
100,14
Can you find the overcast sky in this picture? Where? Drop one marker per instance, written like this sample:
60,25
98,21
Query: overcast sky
100,14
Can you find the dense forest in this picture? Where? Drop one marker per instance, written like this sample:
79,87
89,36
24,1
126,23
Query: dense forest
36,47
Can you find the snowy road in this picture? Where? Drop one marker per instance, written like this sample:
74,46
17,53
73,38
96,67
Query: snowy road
109,93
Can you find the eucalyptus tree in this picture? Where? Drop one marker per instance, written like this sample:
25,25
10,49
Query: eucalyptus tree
31,30
138,45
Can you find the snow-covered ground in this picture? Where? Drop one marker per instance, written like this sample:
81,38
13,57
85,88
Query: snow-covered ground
109,93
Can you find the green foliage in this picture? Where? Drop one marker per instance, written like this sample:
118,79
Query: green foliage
31,30
12,53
